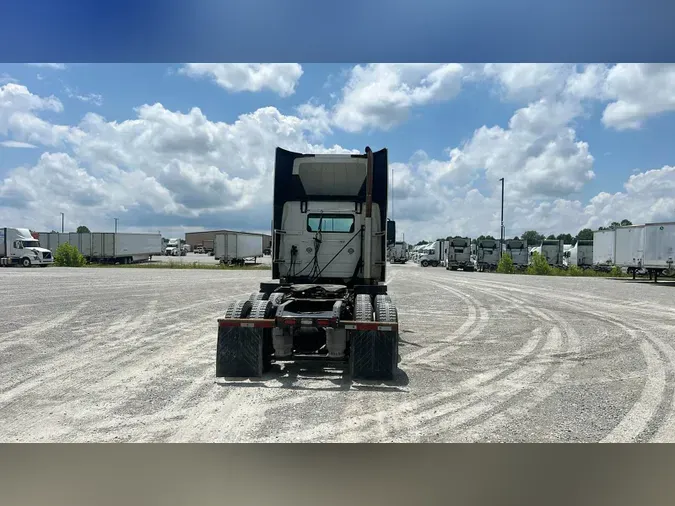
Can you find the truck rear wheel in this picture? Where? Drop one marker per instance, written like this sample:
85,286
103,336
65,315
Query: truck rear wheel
240,349
434,263
374,353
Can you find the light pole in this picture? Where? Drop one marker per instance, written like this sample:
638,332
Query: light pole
116,225
501,242
62,223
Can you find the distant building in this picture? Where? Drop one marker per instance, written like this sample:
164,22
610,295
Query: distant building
206,238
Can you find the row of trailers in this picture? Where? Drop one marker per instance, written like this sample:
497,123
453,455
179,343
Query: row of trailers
106,247
640,249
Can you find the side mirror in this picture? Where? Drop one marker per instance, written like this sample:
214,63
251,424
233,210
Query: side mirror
391,232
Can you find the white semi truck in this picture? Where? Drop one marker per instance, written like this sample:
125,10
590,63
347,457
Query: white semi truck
233,248
328,300
459,254
581,254
174,248
432,254
19,247
517,250
487,254
552,250
398,252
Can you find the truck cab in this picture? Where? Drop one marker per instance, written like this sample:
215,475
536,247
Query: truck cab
327,299
19,247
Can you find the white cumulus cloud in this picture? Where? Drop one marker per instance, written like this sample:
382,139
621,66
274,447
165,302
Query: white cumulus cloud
281,78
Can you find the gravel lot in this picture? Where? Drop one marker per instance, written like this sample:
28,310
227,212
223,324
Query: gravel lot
128,355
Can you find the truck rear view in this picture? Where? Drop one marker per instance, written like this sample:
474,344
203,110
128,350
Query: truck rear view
327,300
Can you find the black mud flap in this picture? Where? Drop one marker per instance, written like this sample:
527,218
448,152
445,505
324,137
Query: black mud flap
373,354
240,352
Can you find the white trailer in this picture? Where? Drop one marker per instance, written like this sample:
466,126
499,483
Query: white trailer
629,245
487,254
235,247
107,247
518,252
19,247
659,249
604,242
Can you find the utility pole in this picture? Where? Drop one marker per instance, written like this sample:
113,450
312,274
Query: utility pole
501,242
392,196
62,223
115,225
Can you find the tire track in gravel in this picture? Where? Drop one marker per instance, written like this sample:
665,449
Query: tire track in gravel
402,416
66,365
652,396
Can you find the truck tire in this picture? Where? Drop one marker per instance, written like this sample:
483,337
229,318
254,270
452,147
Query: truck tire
264,309
363,308
424,263
25,262
374,354
238,354
434,263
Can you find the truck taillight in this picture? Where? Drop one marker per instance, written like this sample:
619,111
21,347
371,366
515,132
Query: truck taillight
323,323
290,321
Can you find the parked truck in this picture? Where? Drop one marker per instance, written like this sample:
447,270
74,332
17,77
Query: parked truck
432,254
233,248
487,254
580,255
19,247
459,254
328,300
174,248
553,251
398,252
517,250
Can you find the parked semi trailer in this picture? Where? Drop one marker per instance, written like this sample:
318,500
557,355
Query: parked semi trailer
604,242
107,247
629,247
328,300
19,247
518,252
432,254
487,254
659,249
459,254
233,248
398,252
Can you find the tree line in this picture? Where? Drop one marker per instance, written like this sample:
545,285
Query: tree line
534,237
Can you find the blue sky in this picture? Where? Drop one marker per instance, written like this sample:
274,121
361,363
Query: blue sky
144,169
